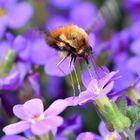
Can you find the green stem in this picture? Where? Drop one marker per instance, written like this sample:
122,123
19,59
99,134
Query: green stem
133,95
122,136
130,134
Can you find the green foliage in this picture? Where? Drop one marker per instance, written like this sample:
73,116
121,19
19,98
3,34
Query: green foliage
133,112
119,121
122,104
7,62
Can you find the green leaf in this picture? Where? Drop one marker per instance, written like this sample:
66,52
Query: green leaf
122,104
133,113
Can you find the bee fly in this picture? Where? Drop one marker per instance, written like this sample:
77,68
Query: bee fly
74,40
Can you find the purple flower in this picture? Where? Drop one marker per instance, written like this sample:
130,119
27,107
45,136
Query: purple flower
61,138
126,73
137,133
54,57
34,81
133,64
56,21
135,46
10,82
13,137
88,136
106,134
86,10
118,45
132,7
10,10
62,3
33,118
54,86
72,124
38,52
94,89
134,30
97,88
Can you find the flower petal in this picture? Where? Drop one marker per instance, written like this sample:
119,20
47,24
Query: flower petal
41,127
105,91
61,138
84,97
54,121
88,136
23,11
34,81
93,86
31,109
86,10
13,137
4,46
19,43
10,82
16,128
72,101
107,78
39,51
86,78
2,30
55,22
105,132
133,64
51,67
56,107
135,47
63,3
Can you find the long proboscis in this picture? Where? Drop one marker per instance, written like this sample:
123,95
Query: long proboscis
108,12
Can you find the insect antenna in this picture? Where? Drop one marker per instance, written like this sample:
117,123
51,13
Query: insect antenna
79,87
72,63
71,76
72,83
73,59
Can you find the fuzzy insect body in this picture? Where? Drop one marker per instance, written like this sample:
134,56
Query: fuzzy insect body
72,39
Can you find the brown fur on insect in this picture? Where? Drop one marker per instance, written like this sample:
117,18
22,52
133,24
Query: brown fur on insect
72,39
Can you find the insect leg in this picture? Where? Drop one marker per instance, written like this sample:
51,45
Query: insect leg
89,69
73,59
79,87
62,60
72,83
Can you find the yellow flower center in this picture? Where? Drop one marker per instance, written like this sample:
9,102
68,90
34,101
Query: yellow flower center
112,136
98,90
36,119
62,54
2,11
